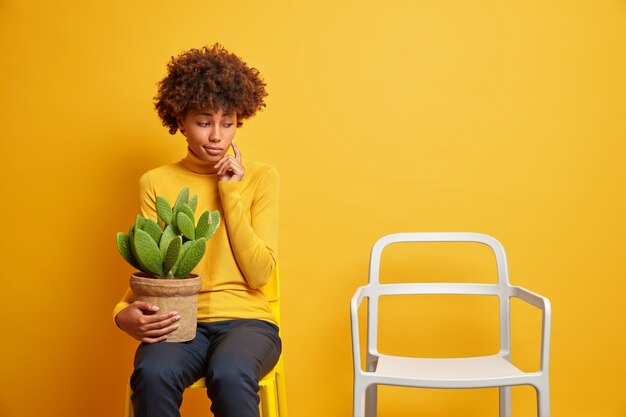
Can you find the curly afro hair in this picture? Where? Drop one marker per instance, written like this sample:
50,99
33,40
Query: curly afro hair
212,78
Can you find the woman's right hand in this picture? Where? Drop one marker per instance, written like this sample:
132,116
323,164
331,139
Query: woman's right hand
140,322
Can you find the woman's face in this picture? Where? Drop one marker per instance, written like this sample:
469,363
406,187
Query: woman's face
209,133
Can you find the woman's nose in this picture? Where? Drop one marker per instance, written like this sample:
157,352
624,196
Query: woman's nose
215,135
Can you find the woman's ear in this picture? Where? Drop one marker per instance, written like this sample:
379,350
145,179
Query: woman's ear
179,122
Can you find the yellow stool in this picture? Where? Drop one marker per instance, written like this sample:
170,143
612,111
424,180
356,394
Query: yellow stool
272,386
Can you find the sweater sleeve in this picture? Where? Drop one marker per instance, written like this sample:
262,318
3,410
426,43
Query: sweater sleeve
147,207
147,197
254,242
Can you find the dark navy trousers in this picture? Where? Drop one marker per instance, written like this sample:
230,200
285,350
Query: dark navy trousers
233,355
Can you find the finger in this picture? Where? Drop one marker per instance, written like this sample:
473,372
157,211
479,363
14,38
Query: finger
160,324
232,165
225,166
158,318
153,339
144,306
230,171
160,332
236,150
222,161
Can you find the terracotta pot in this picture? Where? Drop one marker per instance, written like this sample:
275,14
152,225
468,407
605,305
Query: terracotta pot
179,295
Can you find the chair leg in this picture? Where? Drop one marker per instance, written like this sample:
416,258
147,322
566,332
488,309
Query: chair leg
505,401
282,393
358,400
268,406
543,400
128,410
371,400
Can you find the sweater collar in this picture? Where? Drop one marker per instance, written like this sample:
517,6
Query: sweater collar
197,165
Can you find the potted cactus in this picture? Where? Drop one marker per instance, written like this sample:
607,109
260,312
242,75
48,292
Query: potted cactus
165,252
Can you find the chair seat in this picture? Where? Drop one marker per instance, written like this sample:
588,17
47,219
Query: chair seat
266,380
483,368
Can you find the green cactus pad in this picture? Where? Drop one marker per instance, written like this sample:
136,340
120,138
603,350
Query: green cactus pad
174,223
193,203
185,224
183,250
213,224
191,258
131,236
164,211
123,246
183,198
139,221
185,208
147,253
153,229
172,254
202,228
166,238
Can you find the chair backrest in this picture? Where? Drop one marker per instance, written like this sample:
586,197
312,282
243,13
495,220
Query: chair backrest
501,289
496,247
272,292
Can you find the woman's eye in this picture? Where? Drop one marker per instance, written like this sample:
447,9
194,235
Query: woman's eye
202,124
228,124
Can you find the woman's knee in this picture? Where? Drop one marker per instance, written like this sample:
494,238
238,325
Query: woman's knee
157,379
154,369
232,376
157,389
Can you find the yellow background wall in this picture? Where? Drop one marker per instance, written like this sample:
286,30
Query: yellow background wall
503,117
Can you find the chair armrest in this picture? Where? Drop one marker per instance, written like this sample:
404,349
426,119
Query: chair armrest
355,302
530,297
544,305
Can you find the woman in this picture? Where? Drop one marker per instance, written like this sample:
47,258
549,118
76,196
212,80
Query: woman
206,94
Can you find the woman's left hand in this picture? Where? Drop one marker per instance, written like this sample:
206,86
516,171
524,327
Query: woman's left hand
229,168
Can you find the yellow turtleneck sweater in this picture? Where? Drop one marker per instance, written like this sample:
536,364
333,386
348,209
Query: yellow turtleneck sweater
242,254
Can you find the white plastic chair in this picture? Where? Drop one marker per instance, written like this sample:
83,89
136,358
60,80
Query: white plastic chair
471,372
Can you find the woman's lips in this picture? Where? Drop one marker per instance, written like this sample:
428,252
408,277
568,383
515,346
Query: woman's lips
213,151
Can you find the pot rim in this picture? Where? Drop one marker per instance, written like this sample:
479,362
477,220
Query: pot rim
143,275
166,287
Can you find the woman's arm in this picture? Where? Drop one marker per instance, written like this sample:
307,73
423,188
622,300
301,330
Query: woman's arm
254,242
